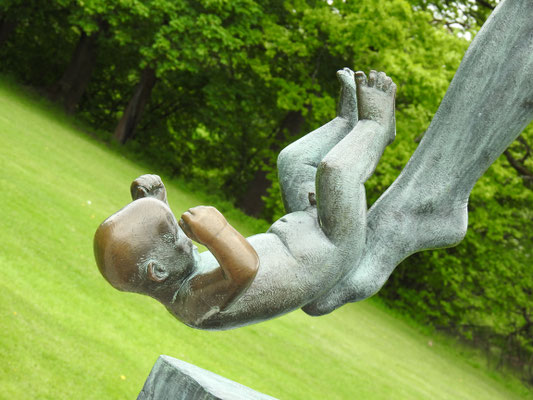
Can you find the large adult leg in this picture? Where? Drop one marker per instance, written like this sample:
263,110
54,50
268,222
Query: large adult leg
488,104
298,162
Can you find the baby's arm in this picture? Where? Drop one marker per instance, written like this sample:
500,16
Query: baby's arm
238,261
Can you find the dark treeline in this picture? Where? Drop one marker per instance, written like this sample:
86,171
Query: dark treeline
213,89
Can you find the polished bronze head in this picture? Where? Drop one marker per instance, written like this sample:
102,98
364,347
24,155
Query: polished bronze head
142,245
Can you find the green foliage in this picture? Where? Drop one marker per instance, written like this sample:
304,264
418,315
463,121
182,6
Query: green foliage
458,15
37,27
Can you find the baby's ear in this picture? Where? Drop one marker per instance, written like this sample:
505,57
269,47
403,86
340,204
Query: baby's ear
156,272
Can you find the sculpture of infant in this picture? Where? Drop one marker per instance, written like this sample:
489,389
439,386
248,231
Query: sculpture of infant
142,248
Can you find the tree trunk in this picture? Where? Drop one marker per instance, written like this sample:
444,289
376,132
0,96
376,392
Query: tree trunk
70,88
132,115
251,201
6,28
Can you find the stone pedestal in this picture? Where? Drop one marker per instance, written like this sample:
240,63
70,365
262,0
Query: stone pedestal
172,379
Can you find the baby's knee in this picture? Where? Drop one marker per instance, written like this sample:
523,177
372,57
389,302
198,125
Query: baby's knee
343,171
329,168
286,158
290,161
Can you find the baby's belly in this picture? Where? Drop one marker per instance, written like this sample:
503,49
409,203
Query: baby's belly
297,263
303,237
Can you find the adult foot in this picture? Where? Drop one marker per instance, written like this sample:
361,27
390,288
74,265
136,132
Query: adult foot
375,96
148,186
347,107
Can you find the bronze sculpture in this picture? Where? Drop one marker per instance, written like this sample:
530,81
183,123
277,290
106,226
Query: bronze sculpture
143,249
328,249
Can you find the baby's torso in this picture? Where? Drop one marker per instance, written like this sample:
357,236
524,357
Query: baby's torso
297,263
300,232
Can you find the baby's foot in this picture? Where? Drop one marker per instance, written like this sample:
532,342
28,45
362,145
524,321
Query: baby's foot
347,107
376,100
148,186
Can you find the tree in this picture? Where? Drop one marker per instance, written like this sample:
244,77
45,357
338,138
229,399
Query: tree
7,26
133,112
27,30
462,15
92,19
71,86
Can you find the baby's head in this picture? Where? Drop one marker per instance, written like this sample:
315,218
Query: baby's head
142,249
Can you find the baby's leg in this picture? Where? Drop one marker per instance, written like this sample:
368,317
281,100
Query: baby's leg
342,173
298,162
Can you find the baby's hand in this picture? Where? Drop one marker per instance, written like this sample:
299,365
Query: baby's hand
202,224
148,186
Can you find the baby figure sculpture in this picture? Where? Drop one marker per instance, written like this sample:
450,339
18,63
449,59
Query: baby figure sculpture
143,248
329,249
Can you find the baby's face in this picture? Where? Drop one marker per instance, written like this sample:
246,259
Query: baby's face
142,245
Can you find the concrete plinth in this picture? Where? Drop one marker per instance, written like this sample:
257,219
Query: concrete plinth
172,379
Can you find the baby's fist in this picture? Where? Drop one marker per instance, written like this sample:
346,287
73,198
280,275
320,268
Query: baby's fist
203,224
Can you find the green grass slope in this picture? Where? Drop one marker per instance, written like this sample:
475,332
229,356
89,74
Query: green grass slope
66,334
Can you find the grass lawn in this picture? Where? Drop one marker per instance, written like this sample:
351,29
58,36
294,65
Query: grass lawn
66,334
